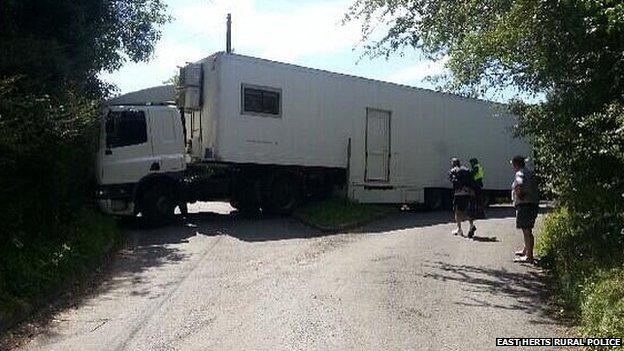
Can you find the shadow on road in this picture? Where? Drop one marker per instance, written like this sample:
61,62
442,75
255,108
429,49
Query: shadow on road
408,220
486,285
145,249
267,227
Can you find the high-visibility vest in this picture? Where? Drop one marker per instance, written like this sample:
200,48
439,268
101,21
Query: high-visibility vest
480,172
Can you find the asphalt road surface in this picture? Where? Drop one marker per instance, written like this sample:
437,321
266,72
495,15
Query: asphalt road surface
222,282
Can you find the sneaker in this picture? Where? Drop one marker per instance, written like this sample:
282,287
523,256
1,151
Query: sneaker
471,232
524,259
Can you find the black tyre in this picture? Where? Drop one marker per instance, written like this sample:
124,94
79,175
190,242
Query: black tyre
434,199
183,206
244,198
488,200
245,206
284,194
158,205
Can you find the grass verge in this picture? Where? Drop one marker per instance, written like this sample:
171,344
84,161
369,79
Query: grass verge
586,262
337,214
33,272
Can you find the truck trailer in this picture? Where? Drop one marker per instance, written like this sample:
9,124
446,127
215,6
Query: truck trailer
268,135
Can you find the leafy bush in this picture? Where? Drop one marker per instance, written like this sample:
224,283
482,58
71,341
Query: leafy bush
575,246
31,270
50,95
582,163
602,309
48,235
46,163
584,254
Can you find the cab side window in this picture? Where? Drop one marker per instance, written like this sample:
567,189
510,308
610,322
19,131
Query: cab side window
125,128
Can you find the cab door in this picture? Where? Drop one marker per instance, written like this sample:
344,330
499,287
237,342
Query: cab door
125,154
167,140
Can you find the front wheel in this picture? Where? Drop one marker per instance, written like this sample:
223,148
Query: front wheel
158,205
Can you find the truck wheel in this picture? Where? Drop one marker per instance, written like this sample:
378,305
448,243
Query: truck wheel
488,200
246,207
244,199
183,208
284,195
434,199
158,205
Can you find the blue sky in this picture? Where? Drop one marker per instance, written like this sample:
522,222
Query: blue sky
303,32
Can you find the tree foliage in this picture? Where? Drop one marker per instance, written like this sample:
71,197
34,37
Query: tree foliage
537,46
62,44
51,52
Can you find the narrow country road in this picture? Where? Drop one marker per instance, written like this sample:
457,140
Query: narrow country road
222,282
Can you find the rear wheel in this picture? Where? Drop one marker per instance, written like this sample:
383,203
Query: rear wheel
434,200
284,194
244,198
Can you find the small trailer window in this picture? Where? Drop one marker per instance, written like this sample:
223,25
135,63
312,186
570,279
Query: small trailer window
125,128
261,100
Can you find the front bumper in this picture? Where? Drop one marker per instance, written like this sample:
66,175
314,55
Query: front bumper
116,199
117,207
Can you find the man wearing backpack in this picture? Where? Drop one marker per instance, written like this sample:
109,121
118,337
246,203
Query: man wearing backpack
463,193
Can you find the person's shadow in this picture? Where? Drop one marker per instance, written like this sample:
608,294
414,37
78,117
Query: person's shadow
486,239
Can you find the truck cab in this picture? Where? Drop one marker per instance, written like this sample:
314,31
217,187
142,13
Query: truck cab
141,153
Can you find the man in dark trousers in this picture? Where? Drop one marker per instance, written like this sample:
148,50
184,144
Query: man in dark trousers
463,192
478,173
525,196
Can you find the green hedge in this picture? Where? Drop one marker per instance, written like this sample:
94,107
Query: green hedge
31,272
585,255
49,234
602,307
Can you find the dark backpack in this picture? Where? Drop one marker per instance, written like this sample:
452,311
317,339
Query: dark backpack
461,177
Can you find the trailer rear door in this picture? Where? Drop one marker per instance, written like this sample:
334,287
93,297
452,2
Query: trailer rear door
377,145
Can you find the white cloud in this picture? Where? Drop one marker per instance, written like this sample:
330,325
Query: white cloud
417,72
167,56
290,33
286,33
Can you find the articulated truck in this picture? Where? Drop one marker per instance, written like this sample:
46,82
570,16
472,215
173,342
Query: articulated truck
268,135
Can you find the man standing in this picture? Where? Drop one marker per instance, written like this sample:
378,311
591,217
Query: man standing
463,191
477,172
525,198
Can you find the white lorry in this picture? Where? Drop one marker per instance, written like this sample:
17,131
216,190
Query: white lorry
264,134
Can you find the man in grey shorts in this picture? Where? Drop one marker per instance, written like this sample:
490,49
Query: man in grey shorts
525,196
